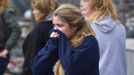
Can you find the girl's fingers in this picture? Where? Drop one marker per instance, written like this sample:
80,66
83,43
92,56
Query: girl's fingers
54,35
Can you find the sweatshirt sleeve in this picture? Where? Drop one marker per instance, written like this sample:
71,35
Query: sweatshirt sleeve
78,61
11,21
46,58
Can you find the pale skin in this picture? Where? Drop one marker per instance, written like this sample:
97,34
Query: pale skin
38,15
4,53
61,26
86,9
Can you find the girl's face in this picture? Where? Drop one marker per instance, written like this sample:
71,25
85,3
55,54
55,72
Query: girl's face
38,15
86,9
62,26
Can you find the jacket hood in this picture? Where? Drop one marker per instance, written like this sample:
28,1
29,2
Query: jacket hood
106,24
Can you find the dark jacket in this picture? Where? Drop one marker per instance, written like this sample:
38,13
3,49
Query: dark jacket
35,40
82,60
9,30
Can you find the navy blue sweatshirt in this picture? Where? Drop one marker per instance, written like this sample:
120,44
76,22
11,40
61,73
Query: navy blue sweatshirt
81,60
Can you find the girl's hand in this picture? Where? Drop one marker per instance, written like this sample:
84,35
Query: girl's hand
54,35
4,53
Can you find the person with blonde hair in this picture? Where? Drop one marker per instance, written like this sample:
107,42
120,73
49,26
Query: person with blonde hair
71,49
9,34
42,12
110,33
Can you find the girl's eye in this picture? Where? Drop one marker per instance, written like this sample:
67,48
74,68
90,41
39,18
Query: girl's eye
82,9
59,25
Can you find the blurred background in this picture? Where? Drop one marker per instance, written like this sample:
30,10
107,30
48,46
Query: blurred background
23,11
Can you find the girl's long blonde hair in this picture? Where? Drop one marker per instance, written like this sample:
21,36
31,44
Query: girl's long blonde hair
74,18
103,8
